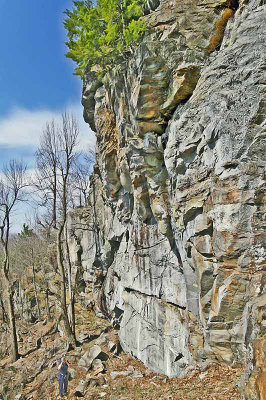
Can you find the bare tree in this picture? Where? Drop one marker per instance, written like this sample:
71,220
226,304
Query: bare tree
80,178
28,250
47,162
57,158
3,311
63,181
67,155
11,192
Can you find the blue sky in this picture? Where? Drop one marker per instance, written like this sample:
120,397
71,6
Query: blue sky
33,70
36,81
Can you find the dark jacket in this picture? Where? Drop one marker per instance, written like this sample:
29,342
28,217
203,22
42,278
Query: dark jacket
63,369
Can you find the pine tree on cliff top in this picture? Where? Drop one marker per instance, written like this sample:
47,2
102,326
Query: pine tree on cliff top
102,34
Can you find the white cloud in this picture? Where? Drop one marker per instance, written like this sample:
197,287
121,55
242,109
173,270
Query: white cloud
22,127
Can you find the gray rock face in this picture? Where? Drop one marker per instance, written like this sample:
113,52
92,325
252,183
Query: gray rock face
146,317
97,364
19,397
173,239
90,355
80,390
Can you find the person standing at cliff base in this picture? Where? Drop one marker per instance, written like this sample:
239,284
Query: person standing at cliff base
63,365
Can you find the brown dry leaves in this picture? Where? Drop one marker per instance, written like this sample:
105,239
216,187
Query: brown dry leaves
216,383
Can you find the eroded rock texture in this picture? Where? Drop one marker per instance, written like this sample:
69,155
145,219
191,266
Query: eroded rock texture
173,238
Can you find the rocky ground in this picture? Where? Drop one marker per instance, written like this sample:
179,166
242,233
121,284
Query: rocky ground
99,368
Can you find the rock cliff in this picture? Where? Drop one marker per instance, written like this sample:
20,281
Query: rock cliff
172,239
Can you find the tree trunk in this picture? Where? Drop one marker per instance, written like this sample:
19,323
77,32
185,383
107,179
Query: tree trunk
54,198
9,299
11,318
4,316
21,299
47,304
68,331
12,327
35,291
71,288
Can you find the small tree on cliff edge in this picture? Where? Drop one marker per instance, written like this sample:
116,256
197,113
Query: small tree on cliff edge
103,34
11,192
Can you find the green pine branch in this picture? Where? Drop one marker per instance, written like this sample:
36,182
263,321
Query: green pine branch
100,35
